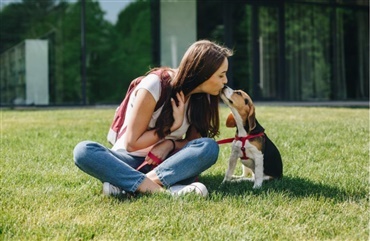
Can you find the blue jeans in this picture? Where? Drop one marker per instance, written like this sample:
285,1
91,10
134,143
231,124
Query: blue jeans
119,168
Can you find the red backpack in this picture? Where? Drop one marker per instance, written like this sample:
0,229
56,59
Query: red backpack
114,132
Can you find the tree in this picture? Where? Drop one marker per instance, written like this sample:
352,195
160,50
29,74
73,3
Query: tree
132,47
67,50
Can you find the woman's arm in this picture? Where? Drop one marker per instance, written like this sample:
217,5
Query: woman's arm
137,135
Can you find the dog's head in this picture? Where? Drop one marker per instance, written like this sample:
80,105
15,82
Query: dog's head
241,106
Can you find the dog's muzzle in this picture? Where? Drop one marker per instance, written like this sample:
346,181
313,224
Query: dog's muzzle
226,93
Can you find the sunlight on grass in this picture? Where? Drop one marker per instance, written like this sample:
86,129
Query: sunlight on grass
323,195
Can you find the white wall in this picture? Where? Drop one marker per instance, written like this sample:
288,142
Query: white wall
37,84
178,29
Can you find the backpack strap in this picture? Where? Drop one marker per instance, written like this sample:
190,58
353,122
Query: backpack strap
164,77
120,114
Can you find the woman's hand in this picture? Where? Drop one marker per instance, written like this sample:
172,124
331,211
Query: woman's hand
178,111
160,151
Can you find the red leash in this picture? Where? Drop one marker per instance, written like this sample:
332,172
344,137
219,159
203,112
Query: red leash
228,140
156,160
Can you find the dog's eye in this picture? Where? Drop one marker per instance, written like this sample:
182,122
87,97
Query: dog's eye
238,93
246,101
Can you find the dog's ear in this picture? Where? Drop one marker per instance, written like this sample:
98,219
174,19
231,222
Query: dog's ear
251,118
230,121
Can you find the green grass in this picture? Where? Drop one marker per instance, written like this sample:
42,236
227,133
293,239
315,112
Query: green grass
323,195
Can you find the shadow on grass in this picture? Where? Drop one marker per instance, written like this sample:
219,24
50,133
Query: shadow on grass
295,187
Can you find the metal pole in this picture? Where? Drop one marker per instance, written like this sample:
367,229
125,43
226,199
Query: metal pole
281,83
228,32
155,19
255,52
83,54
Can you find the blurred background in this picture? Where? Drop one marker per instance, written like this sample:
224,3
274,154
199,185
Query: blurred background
85,52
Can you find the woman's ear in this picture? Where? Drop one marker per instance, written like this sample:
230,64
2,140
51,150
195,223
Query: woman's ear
230,121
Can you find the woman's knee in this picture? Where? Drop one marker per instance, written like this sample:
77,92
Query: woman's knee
211,149
81,152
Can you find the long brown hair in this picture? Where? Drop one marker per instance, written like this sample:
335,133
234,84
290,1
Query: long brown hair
202,59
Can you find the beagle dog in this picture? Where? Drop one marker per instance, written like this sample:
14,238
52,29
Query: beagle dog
259,156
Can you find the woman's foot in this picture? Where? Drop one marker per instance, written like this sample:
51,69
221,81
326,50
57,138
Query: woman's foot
195,187
110,190
175,190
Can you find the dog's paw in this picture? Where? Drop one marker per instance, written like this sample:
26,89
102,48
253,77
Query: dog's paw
226,180
257,184
249,178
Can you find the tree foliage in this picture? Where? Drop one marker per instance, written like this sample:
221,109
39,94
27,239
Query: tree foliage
115,54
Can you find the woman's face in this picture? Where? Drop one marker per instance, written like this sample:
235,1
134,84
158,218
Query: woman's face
216,82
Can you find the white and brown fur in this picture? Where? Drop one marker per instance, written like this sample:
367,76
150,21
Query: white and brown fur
264,159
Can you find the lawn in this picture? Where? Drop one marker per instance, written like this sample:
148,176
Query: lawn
324,194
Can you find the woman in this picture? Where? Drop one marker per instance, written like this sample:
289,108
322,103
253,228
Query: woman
187,123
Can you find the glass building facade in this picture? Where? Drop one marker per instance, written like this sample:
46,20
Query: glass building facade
284,50
295,50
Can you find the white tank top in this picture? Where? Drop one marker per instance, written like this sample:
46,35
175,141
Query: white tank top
151,83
